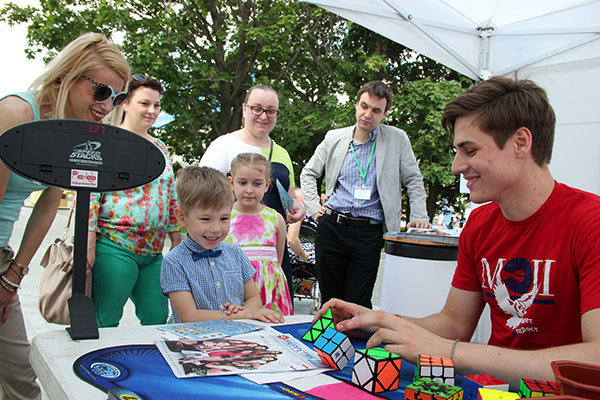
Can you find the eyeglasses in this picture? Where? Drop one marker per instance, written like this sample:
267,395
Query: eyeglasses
257,110
104,92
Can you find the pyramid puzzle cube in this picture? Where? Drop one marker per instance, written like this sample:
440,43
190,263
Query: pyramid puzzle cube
334,349
376,370
492,394
472,383
428,389
436,368
320,326
535,388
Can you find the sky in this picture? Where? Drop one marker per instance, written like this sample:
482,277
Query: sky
16,71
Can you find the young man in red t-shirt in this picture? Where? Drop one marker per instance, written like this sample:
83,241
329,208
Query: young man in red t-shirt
532,253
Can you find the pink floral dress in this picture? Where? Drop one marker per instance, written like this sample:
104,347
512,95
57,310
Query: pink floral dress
256,234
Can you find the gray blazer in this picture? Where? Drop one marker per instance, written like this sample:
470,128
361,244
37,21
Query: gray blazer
396,167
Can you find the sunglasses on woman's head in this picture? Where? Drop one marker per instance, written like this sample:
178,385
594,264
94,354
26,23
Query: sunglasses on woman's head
138,80
141,78
104,92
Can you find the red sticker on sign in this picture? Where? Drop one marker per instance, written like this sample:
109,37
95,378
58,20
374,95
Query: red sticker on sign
83,178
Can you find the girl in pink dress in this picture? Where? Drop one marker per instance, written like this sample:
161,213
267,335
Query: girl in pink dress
259,230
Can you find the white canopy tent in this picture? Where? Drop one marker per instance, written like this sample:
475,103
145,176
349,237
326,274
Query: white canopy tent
553,42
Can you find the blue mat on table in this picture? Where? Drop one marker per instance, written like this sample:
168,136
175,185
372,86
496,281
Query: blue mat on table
142,370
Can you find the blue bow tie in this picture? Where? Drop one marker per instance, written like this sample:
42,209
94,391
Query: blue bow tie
208,253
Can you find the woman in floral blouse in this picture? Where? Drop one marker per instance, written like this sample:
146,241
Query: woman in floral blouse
128,228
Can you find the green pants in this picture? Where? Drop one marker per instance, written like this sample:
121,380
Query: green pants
119,274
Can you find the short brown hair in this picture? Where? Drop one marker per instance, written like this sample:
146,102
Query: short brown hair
254,160
379,90
266,88
202,187
501,106
142,80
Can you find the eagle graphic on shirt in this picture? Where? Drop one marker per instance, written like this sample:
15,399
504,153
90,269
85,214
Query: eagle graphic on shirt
516,308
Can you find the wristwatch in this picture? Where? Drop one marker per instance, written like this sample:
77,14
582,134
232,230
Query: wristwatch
24,269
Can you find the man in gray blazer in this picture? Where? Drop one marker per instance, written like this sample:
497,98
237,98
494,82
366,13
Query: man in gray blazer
365,167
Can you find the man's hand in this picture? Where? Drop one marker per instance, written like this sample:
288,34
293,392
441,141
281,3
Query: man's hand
419,224
321,212
342,310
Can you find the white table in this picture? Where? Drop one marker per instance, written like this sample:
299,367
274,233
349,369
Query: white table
53,353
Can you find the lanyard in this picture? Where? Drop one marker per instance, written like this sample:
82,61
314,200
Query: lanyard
271,151
363,174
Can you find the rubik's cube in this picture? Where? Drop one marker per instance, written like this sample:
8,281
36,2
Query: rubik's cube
472,383
334,349
492,394
427,389
436,368
320,326
376,370
535,388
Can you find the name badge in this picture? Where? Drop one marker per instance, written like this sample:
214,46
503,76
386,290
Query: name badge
362,192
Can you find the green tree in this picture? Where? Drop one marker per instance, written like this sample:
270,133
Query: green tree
418,109
209,52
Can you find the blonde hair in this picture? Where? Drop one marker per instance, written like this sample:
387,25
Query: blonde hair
82,55
254,160
204,188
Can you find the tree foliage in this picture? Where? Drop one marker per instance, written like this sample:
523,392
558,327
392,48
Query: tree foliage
209,52
419,108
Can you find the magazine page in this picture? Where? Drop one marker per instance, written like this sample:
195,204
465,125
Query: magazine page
286,201
265,350
205,330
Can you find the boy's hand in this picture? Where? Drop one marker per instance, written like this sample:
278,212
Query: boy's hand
232,308
265,315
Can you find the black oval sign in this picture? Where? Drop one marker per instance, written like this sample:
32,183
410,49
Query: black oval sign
75,154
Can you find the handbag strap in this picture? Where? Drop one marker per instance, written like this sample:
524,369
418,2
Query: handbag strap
66,232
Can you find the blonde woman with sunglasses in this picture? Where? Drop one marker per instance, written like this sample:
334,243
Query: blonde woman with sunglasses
86,80
127,229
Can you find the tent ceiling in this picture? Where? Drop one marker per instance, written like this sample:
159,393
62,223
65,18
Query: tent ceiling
480,38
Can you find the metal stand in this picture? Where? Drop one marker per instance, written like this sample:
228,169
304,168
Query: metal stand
81,308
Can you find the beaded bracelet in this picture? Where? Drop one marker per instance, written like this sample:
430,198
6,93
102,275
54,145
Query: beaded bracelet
10,283
11,290
453,348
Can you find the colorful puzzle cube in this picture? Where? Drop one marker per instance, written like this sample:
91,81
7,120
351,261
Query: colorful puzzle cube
376,370
535,388
427,389
436,368
334,348
472,383
320,326
492,394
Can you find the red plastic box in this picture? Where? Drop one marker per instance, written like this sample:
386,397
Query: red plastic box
577,379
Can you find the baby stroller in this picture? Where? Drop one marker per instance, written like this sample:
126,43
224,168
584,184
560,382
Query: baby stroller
304,272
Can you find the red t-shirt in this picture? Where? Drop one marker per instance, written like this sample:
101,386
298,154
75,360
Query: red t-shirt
538,275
